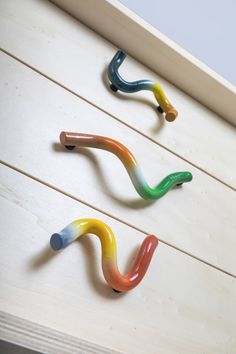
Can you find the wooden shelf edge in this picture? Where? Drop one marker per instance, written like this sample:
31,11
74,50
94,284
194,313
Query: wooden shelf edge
139,39
33,336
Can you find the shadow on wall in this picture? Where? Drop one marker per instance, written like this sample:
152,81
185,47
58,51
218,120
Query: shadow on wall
10,348
138,203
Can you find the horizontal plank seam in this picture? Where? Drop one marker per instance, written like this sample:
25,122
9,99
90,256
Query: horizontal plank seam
117,119
111,216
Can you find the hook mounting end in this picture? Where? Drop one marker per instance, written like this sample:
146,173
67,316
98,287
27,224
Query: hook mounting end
171,115
69,147
113,88
56,242
160,110
116,291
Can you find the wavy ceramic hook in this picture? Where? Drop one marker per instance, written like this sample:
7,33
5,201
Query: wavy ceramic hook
71,140
111,273
117,83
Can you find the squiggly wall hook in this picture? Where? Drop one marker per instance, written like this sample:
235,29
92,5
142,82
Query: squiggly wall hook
70,140
117,83
117,282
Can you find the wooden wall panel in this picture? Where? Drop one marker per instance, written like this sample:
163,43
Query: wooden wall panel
53,78
68,52
182,305
197,217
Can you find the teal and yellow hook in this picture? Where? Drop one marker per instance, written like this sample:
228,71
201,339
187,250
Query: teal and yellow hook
118,83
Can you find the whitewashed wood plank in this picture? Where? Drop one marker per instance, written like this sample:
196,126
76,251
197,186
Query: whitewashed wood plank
181,306
127,30
75,56
27,334
198,218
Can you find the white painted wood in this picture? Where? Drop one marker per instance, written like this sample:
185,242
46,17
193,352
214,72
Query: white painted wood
64,49
127,30
198,218
28,334
181,306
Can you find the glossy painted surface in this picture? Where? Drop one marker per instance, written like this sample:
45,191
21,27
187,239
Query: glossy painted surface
111,273
118,83
71,140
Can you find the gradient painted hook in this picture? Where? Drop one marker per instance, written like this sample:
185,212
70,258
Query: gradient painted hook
117,83
71,140
110,269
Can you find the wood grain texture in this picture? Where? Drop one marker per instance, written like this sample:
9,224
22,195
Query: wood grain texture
130,32
68,52
181,306
198,218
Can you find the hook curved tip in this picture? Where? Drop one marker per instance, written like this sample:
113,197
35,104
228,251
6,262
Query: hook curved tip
56,242
189,176
63,138
184,177
64,141
151,240
171,115
116,291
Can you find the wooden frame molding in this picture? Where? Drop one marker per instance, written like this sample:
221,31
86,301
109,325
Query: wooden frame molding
145,43
30,335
